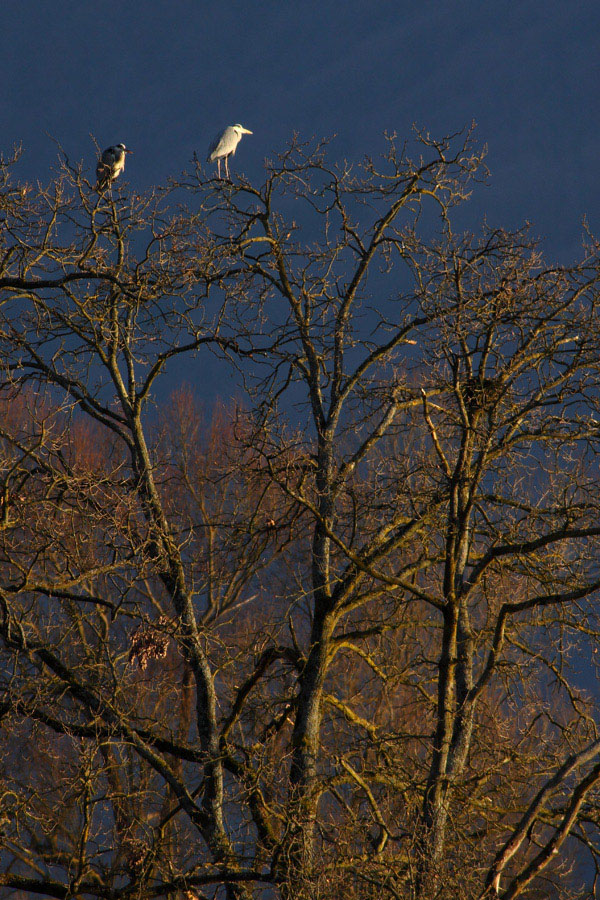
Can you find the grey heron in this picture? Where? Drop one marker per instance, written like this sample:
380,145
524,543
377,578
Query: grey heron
224,145
110,165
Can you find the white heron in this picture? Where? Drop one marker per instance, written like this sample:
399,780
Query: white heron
110,165
225,144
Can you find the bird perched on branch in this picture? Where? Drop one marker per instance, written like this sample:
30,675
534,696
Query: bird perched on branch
224,145
110,165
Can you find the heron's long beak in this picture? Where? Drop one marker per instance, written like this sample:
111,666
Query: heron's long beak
247,131
128,150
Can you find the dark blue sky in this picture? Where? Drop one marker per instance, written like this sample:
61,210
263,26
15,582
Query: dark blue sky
164,77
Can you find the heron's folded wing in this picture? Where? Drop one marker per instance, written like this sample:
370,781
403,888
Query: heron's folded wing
102,170
215,149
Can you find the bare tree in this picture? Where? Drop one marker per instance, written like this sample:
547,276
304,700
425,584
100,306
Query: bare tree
341,638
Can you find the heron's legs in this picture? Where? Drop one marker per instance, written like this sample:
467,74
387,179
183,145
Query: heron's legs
219,167
227,165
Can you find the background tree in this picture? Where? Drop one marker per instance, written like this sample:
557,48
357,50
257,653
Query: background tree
342,637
